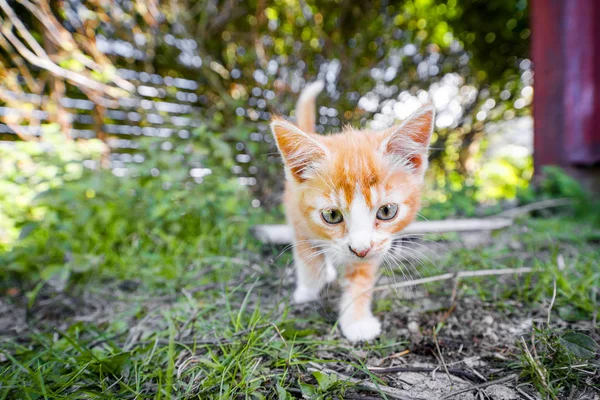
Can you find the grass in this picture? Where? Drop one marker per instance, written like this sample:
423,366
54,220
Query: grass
119,288
557,362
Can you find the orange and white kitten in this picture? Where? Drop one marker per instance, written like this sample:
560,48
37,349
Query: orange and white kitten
346,196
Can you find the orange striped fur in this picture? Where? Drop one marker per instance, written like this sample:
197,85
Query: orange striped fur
349,176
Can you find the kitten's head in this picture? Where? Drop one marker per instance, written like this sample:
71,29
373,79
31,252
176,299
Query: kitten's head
355,190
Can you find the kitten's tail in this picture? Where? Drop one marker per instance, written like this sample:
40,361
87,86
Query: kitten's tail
305,108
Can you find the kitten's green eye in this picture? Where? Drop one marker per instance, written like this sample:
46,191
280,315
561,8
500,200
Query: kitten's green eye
332,216
387,212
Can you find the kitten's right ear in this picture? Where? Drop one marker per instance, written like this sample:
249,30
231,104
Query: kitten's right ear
409,142
301,152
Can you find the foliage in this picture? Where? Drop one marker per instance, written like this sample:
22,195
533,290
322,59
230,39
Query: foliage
29,168
458,196
556,183
152,223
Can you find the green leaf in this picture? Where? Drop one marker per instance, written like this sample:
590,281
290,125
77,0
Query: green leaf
114,363
579,345
27,229
572,313
49,271
290,330
307,390
325,380
282,393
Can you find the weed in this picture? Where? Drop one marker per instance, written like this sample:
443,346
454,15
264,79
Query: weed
556,363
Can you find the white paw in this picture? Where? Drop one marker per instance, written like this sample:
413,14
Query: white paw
330,273
367,328
304,294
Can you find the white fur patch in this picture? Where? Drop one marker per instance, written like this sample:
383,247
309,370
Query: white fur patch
304,294
367,328
360,229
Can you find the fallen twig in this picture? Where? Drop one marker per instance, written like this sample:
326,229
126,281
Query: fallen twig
455,275
283,234
452,371
387,390
523,393
538,205
437,346
551,303
481,386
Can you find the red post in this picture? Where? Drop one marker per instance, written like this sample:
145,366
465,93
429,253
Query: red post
547,56
566,103
582,81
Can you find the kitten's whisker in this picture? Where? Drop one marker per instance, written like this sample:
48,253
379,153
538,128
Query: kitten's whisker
421,215
393,275
400,261
412,253
294,244
416,251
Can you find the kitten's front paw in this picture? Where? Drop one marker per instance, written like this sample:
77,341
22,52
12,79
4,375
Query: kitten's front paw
304,294
367,328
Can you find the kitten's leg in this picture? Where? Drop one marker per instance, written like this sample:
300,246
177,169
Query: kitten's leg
356,319
311,272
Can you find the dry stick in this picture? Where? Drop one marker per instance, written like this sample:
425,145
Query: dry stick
452,371
552,303
539,205
455,275
528,397
481,386
387,390
190,320
437,346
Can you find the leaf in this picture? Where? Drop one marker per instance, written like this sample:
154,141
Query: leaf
282,393
290,330
307,390
27,229
579,345
114,363
56,276
325,380
571,313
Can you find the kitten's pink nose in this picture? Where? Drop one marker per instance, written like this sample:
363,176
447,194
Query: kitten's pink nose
362,253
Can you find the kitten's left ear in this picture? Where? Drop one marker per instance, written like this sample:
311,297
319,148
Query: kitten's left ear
408,143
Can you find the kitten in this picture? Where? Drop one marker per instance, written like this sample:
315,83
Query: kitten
346,196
